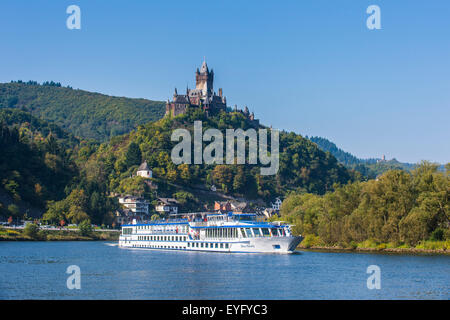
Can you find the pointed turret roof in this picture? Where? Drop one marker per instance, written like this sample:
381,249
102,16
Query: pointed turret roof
143,166
204,67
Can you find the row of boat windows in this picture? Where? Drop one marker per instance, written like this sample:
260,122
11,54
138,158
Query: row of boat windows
205,245
162,238
167,228
208,245
157,246
244,232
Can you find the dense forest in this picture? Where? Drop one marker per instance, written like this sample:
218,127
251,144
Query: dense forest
84,114
398,208
33,169
38,169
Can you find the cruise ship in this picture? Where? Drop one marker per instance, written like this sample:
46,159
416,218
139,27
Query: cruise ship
211,232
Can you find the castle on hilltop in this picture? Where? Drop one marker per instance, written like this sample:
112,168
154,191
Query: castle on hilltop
203,96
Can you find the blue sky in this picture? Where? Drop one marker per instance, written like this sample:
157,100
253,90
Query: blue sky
311,66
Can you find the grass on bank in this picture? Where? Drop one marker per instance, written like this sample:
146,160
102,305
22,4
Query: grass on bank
312,241
31,233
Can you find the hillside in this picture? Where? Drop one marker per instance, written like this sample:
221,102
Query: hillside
303,166
84,114
40,169
32,171
369,168
34,128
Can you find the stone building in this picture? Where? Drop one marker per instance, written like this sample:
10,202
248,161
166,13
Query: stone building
203,96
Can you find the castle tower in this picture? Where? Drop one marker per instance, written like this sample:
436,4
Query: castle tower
204,79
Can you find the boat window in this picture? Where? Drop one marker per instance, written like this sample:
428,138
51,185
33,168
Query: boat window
243,232
256,232
226,245
249,232
221,245
217,245
265,232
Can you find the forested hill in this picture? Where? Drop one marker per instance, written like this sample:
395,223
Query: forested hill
343,157
82,113
38,166
369,168
34,128
303,166
34,167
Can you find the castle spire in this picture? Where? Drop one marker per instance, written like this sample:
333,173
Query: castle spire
204,67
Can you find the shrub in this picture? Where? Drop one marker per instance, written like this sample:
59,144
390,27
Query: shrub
31,230
437,235
85,228
310,240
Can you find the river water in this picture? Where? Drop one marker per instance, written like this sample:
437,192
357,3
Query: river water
37,270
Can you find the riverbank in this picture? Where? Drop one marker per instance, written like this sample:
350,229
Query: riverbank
375,250
58,235
313,243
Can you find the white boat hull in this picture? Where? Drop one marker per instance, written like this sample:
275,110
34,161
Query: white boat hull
284,245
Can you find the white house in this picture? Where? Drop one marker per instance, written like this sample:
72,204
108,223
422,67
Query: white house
137,205
144,171
167,205
277,204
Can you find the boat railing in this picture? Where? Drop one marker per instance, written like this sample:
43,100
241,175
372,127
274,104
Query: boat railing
163,221
199,223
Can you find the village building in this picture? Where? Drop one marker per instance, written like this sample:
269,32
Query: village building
231,205
276,205
269,213
223,206
144,171
167,206
125,216
137,205
133,208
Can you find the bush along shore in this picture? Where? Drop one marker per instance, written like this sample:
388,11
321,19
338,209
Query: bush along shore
314,243
32,233
397,212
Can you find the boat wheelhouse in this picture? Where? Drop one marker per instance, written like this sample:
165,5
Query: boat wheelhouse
213,232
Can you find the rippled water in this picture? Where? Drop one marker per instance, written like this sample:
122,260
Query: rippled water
36,270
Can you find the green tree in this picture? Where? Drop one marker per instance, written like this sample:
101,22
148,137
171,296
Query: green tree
14,210
133,156
85,228
31,230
